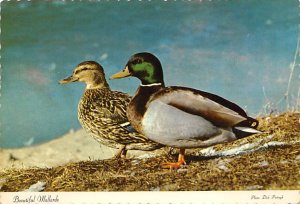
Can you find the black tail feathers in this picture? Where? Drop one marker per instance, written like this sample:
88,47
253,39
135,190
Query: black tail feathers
246,128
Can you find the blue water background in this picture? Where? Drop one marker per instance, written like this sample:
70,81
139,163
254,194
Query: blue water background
241,50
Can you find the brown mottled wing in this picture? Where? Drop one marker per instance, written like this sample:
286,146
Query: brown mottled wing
112,106
108,111
212,107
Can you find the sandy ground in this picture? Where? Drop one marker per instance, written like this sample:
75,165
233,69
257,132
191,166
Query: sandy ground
72,147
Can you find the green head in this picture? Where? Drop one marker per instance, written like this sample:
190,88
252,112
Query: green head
145,66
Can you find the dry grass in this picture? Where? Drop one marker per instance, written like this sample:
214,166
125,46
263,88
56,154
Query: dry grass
268,167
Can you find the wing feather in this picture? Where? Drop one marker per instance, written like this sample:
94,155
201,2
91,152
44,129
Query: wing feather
214,108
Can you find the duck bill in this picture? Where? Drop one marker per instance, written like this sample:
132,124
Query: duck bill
124,73
68,80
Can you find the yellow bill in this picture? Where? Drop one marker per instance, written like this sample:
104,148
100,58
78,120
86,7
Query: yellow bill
124,73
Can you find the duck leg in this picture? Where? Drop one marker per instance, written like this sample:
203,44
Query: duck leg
121,153
175,165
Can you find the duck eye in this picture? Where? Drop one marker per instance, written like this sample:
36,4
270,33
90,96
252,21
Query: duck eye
80,70
137,61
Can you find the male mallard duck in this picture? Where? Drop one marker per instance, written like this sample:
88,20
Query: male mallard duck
102,112
179,116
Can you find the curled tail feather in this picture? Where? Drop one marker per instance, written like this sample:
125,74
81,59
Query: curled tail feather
246,128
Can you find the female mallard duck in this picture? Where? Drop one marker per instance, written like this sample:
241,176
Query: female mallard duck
102,112
179,116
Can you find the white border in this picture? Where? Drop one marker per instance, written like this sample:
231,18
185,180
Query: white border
190,197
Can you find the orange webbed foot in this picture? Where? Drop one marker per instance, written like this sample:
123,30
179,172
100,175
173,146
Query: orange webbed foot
171,165
175,165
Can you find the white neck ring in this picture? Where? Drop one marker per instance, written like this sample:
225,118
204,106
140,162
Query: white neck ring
154,84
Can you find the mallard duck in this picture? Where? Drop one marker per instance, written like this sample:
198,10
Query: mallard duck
102,112
180,117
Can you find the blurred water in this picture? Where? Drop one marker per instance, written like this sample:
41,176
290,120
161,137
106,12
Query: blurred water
231,48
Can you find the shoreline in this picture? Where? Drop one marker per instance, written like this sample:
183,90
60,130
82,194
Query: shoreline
71,147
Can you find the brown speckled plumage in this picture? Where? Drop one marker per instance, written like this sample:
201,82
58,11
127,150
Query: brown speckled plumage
101,111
